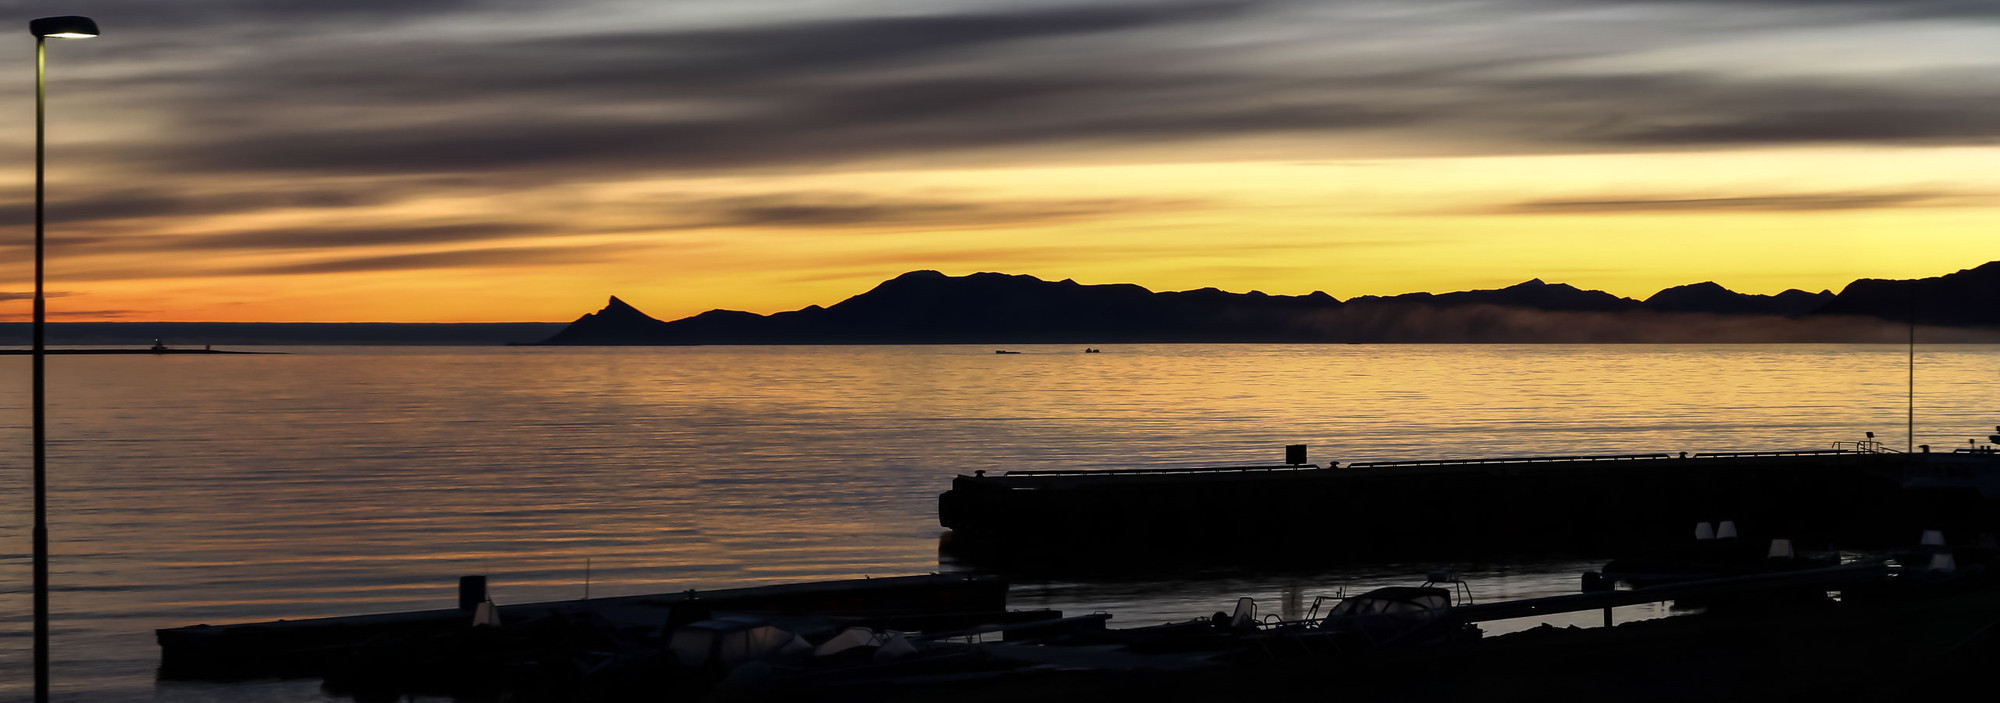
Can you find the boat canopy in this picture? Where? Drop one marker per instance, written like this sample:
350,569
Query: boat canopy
1394,600
732,640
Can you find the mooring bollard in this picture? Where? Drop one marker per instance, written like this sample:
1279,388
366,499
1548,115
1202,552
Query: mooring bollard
471,592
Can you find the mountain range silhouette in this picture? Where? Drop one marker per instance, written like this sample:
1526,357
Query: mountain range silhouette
928,307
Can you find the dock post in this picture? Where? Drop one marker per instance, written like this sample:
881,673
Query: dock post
1607,616
471,592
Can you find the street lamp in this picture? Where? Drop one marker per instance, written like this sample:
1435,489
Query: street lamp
44,29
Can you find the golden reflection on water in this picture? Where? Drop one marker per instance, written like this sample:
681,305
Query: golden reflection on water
343,480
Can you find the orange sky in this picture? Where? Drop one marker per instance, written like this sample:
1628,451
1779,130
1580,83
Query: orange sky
740,157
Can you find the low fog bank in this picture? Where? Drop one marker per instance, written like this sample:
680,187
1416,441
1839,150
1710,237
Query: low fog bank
1493,324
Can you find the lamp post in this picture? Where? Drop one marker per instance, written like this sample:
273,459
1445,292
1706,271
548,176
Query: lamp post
45,28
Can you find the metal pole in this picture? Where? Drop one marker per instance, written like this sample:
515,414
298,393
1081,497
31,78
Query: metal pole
41,534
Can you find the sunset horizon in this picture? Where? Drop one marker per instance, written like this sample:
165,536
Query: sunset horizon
780,350
590,303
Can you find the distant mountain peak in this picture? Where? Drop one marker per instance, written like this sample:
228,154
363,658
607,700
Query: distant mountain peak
616,323
617,309
1711,297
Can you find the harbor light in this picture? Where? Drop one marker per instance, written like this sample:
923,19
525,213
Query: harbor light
66,27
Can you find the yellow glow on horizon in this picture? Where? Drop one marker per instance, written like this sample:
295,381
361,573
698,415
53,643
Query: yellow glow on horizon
1629,224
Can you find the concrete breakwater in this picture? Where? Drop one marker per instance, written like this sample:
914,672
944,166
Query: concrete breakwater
1590,505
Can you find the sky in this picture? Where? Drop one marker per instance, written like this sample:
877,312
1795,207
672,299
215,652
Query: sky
510,160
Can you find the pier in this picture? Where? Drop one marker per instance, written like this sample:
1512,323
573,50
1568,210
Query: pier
1584,505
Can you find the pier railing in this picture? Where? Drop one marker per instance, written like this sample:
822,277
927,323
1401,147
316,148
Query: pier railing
1510,460
1801,452
1866,446
1196,470
1841,448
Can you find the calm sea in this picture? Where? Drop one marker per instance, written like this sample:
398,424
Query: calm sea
342,480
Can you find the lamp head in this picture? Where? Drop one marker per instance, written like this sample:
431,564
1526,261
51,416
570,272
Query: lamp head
67,27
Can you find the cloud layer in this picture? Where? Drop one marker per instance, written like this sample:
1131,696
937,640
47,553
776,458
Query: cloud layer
369,135
631,92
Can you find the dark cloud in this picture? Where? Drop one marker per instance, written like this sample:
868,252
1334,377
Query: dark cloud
606,100
627,66
796,93
473,258
30,295
802,210
787,49
133,204
97,314
816,210
1692,110
1775,124
1856,9
1765,203
829,124
333,237
223,17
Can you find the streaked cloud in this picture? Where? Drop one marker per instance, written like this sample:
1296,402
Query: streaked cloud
483,138
166,202
354,237
1764,203
848,82
470,258
635,93
836,210
30,295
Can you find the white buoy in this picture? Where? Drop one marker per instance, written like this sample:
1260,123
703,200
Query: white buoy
1704,531
1727,530
1781,548
1933,538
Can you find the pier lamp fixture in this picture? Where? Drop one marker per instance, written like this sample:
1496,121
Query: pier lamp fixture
68,27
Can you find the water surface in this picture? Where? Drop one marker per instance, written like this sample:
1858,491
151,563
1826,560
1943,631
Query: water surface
340,480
